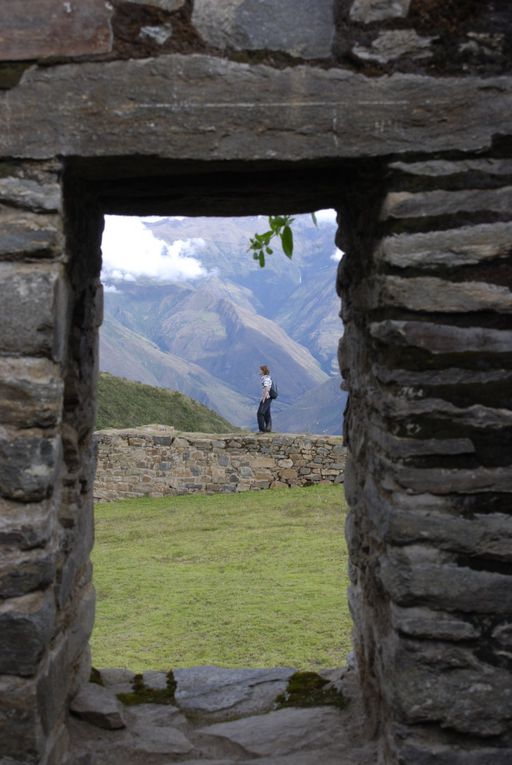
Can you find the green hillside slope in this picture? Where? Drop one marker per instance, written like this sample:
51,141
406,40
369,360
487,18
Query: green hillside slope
126,404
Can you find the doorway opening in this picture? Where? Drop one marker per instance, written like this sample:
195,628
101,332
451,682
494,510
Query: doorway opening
252,580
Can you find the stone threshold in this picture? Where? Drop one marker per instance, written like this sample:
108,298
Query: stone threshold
218,716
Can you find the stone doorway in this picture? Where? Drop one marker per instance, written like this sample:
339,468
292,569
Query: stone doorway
426,354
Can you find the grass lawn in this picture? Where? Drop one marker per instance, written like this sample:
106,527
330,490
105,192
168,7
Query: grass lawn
256,579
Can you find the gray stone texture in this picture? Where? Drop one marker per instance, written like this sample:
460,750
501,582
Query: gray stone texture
27,625
438,168
367,11
439,338
54,28
217,693
427,294
433,625
37,195
19,730
24,572
26,234
30,392
56,680
157,733
156,729
418,574
448,683
290,26
98,706
429,532
393,44
403,204
25,526
164,5
465,246
282,732
28,465
333,113
33,309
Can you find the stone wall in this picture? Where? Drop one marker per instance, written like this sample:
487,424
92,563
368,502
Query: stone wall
427,354
398,113
157,461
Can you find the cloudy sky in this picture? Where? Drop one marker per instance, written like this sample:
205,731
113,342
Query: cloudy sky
130,251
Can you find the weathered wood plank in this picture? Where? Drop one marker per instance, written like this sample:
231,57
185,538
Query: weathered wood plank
33,29
201,107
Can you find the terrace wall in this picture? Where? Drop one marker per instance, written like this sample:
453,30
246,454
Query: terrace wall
157,462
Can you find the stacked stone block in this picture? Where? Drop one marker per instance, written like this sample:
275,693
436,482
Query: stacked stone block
427,353
46,600
156,461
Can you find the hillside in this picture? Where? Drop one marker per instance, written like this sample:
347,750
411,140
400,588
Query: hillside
126,404
125,353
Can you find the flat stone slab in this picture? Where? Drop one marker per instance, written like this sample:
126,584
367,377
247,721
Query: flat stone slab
282,732
164,734
219,693
301,112
156,729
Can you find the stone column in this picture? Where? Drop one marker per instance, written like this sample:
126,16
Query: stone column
47,374
427,355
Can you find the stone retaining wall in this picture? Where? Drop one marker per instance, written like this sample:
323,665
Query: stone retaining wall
156,461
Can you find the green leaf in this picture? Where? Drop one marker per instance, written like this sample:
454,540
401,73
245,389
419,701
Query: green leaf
287,241
262,260
269,251
313,218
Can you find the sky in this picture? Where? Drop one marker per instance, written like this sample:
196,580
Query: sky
131,251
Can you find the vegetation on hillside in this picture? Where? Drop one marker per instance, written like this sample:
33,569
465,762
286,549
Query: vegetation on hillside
257,579
126,404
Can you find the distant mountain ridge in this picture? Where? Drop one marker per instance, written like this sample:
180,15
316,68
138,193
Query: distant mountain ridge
207,337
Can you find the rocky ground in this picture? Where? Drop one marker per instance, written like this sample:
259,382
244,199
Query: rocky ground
217,716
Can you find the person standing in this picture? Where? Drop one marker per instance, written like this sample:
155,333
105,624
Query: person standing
264,417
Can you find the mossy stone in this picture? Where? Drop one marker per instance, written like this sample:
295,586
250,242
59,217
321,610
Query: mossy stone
142,694
308,689
95,676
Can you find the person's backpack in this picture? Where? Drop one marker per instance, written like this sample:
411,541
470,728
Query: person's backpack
273,390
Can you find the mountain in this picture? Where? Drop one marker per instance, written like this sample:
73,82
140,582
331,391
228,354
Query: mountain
126,404
206,336
319,410
125,353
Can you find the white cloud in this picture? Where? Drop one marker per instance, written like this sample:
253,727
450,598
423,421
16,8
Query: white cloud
337,255
110,288
130,250
326,216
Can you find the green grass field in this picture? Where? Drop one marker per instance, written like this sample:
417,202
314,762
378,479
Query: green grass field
255,579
